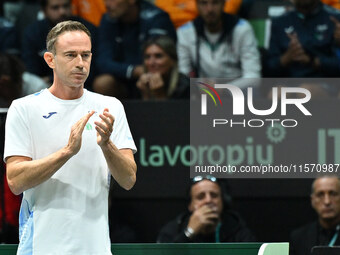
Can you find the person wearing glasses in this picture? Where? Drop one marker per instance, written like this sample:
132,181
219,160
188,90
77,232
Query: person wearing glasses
208,218
325,200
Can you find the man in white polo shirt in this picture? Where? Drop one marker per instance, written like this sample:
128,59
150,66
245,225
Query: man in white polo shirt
61,147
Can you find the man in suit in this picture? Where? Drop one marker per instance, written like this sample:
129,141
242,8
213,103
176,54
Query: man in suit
325,200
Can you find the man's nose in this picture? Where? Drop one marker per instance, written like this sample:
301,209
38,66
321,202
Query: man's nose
208,198
80,61
327,199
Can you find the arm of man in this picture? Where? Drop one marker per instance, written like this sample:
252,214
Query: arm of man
249,54
277,47
186,49
24,173
120,161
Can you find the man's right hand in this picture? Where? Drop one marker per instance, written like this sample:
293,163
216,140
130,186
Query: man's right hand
74,141
204,219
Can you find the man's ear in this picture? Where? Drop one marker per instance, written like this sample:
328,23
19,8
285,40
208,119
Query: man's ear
49,59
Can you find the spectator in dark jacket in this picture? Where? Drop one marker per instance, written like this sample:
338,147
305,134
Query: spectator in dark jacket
208,219
303,45
122,32
325,200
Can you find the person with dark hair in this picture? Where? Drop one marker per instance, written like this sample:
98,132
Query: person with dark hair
34,37
11,71
122,32
161,79
217,44
62,145
208,218
325,200
15,82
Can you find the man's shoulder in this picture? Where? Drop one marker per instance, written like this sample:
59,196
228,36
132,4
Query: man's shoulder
177,224
96,97
150,11
304,230
189,26
330,10
29,100
242,25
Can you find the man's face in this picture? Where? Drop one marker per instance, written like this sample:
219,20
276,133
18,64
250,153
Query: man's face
72,59
325,198
118,8
57,10
305,6
208,193
210,10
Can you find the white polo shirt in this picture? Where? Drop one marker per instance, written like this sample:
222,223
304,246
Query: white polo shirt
68,213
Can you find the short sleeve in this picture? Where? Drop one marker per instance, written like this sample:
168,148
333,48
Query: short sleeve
17,135
121,134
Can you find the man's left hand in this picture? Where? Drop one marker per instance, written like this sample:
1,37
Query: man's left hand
104,127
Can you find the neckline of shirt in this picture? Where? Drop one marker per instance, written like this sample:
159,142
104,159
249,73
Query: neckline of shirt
67,102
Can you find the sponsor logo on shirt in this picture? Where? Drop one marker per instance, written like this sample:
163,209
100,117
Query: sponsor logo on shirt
49,115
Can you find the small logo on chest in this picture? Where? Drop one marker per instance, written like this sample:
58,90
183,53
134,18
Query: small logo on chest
49,115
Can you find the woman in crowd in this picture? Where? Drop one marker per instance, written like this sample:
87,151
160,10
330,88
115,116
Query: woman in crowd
161,79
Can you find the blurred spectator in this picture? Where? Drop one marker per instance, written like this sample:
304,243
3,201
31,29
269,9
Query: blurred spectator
208,218
34,39
8,37
302,42
11,71
217,44
325,200
14,81
122,32
90,10
161,79
182,11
